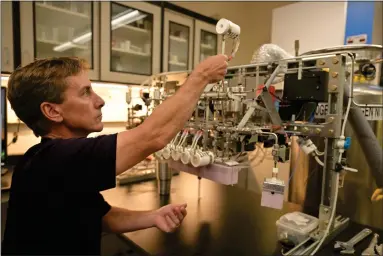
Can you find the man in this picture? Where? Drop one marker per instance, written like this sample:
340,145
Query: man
55,205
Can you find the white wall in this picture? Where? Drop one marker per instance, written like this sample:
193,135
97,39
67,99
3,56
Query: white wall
314,24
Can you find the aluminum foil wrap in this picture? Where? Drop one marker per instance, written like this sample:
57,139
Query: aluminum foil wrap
269,53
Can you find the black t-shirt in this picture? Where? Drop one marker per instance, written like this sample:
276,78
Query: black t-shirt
55,207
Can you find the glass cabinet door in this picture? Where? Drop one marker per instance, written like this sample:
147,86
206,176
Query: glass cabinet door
178,49
130,40
61,28
207,42
7,63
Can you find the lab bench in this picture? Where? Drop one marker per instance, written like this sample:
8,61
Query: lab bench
223,220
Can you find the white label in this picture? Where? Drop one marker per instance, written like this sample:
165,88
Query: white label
357,39
371,114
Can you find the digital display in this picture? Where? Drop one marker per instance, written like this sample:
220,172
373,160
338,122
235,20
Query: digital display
3,125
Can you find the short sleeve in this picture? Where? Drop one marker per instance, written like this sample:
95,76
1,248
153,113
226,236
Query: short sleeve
83,164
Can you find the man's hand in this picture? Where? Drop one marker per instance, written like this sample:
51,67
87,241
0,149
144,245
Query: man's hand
169,217
213,69
378,195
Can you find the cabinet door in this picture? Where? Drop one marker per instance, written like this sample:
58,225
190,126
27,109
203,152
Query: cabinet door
7,63
178,42
56,29
207,42
130,45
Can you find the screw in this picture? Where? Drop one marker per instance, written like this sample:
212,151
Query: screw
321,62
326,210
334,74
330,119
305,129
335,61
318,130
334,87
331,131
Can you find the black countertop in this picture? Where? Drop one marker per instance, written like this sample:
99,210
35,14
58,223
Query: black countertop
225,220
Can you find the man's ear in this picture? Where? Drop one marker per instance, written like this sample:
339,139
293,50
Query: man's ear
51,111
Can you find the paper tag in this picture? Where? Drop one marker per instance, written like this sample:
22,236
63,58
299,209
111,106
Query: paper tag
272,200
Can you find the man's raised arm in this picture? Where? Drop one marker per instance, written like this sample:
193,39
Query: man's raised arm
168,118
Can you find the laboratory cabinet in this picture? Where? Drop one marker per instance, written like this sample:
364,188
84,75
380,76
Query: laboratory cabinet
60,28
206,41
7,57
124,42
130,41
178,41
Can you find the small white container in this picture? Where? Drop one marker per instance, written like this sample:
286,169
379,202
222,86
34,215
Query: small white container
296,226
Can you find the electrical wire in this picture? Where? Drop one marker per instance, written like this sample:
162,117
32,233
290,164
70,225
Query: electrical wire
319,161
318,152
331,218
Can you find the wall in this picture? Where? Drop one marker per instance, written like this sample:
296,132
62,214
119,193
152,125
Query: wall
254,18
315,24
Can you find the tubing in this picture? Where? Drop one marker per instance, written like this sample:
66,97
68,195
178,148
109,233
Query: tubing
367,140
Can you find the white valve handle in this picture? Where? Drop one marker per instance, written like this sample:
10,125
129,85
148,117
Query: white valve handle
226,27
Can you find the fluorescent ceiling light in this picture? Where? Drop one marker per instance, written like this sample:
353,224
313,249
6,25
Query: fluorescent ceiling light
83,39
117,22
63,47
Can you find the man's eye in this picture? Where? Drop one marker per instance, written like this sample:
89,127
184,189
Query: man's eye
87,91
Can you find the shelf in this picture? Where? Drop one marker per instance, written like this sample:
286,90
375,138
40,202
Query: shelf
119,50
57,17
58,9
140,30
56,43
179,64
178,39
207,47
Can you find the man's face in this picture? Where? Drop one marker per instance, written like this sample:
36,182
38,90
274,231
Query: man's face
81,109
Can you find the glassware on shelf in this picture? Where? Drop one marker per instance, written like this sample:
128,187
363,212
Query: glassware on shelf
208,44
131,33
62,29
178,47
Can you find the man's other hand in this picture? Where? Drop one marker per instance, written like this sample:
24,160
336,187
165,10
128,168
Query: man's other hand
213,68
378,195
169,217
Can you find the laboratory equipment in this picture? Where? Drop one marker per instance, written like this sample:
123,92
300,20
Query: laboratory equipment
269,102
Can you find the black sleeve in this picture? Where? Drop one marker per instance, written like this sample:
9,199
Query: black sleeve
103,206
86,164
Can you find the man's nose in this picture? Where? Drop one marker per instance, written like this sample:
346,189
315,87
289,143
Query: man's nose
99,102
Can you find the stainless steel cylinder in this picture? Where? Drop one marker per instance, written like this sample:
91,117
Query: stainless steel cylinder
233,106
164,177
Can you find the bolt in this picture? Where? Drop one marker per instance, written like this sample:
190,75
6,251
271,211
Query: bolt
334,74
326,210
331,131
335,61
330,119
305,129
321,62
333,87
318,130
